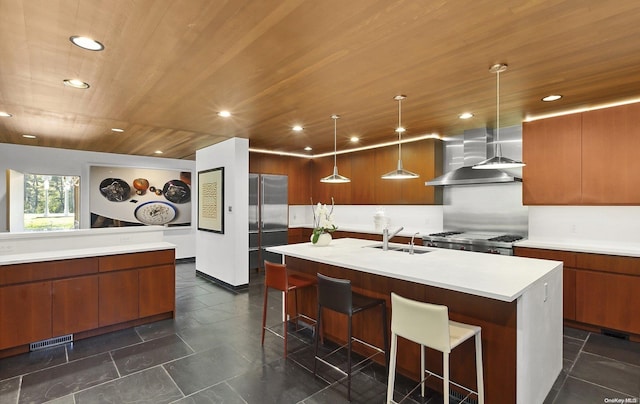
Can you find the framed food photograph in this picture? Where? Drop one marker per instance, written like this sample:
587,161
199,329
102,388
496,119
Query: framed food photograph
136,196
211,200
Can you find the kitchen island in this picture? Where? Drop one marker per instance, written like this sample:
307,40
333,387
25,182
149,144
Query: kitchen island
517,302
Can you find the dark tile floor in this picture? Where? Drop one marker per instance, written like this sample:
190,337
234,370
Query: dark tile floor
211,353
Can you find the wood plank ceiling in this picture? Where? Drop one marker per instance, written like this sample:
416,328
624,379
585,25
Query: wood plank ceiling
169,67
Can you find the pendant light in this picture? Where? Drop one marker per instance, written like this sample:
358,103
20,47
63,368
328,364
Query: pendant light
399,173
335,178
498,162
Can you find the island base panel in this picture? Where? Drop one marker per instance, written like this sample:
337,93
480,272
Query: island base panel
497,319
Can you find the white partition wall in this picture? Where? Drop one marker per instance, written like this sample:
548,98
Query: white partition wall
46,160
224,256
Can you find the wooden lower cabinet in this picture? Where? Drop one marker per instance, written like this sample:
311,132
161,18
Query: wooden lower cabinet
74,305
118,294
25,313
157,290
569,293
608,300
599,290
83,296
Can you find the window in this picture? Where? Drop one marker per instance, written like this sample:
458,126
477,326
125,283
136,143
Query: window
51,202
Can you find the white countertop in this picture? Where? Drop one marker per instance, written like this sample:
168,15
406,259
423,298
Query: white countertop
494,276
41,256
584,246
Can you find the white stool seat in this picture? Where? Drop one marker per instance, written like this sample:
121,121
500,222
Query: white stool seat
429,325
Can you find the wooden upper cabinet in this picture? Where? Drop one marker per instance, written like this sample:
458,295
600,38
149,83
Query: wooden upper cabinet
552,152
611,156
363,178
364,168
298,172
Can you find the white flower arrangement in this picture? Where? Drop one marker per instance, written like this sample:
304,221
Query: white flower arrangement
322,221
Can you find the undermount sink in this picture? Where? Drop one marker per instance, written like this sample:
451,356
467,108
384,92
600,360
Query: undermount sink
401,249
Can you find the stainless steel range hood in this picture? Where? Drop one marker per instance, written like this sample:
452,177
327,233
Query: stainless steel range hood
476,142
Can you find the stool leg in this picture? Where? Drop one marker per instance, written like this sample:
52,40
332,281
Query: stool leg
318,325
445,377
392,368
349,361
479,370
295,312
422,367
285,323
385,332
264,312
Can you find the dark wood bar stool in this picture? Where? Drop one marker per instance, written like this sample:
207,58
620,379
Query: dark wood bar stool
276,277
336,295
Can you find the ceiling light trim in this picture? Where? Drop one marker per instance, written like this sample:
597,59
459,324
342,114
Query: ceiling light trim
76,83
86,43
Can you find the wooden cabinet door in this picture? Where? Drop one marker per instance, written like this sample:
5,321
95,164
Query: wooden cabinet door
608,300
74,305
157,290
569,293
25,314
610,155
551,149
118,297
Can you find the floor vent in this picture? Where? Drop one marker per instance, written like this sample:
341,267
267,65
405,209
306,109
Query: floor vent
458,397
615,334
34,346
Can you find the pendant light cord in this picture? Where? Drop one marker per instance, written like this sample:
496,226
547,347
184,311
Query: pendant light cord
498,146
399,129
335,141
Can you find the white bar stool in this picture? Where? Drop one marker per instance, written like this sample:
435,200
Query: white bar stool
429,325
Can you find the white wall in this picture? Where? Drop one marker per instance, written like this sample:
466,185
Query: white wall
423,219
586,224
225,257
44,160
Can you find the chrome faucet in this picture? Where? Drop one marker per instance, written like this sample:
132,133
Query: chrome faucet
412,243
386,237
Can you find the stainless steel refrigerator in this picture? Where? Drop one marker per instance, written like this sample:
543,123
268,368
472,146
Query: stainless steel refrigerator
268,216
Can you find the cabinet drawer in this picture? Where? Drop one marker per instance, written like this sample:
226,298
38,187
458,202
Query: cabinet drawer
609,263
136,260
567,257
38,271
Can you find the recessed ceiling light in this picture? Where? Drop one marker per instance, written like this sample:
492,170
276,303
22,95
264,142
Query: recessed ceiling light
465,115
158,152
354,139
297,128
117,130
308,148
86,43
29,136
224,114
75,83
553,97
5,114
